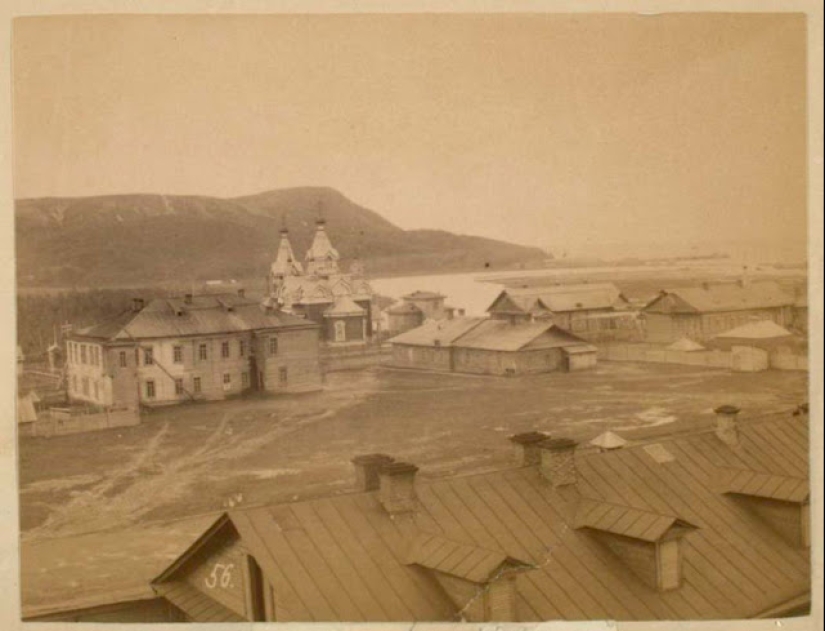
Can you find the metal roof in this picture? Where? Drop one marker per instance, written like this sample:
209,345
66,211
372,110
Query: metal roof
766,485
206,315
720,297
343,558
623,520
469,562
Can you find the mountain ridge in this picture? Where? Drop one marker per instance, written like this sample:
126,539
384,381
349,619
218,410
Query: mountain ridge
150,237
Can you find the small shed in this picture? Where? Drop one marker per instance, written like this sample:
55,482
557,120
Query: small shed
685,344
762,334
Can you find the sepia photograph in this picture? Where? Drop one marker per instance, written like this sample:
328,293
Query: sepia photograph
415,317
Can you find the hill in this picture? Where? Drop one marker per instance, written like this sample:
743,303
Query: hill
133,239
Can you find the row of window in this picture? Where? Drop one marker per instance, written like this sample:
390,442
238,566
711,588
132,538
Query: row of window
85,354
86,387
202,352
197,385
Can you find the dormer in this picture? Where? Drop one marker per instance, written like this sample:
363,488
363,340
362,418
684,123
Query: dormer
782,502
481,583
650,544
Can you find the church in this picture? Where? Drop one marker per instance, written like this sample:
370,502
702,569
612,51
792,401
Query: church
339,302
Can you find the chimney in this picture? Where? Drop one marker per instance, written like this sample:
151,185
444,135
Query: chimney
558,465
727,429
366,470
527,447
397,487
187,299
137,304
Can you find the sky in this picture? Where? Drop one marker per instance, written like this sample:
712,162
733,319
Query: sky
568,132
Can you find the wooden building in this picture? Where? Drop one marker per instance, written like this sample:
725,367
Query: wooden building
712,525
416,308
491,346
701,312
596,312
192,348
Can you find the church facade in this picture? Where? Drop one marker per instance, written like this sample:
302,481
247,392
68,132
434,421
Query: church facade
340,302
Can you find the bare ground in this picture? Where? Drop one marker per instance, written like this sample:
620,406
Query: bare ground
200,459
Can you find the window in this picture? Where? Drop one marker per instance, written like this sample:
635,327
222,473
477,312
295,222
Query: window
241,348
150,389
245,379
282,376
86,386
177,354
224,349
123,359
179,386
196,384
273,345
340,331
97,391
82,353
202,355
148,358
227,378
74,383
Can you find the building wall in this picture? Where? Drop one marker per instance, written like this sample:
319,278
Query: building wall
426,357
294,367
355,328
87,372
432,309
487,362
581,361
665,328
783,517
401,322
210,371
639,556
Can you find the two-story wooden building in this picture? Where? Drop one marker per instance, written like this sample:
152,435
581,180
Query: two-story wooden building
192,348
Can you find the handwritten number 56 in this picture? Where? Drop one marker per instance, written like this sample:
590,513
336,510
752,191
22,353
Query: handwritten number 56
221,574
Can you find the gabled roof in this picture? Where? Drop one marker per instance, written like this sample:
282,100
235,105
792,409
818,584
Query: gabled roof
205,315
766,485
720,297
344,306
500,335
761,330
623,520
563,298
686,344
490,334
437,332
343,558
472,563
